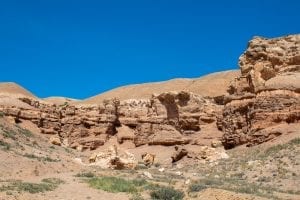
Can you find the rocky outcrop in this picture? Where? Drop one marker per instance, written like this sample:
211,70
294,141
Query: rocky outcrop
114,158
266,94
170,118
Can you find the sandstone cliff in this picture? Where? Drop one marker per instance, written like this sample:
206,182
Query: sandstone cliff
266,94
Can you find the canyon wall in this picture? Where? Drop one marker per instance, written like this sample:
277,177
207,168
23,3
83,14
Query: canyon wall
264,95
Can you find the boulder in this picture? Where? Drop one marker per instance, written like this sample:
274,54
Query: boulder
148,159
114,158
179,154
55,140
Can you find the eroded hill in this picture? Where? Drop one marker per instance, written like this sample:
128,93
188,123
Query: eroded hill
230,131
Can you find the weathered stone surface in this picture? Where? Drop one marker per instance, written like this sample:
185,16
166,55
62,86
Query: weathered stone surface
179,154
55,140
170,118
266,93
114,158
148,159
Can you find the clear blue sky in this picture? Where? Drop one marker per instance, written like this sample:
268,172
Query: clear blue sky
81,48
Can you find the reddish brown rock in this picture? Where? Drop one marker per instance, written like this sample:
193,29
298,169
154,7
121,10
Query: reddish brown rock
266,94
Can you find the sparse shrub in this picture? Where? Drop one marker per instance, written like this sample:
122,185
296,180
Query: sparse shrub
139,182
86,175
46,159
8,133
197,187
141,166
136,197
113,184
166,193
1,114
25,132
54,181
46,185
275,149
5,145
157,164
65,104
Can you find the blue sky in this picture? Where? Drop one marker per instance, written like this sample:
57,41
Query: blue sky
81,48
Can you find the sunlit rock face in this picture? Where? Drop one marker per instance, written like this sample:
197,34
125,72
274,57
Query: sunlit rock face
266,94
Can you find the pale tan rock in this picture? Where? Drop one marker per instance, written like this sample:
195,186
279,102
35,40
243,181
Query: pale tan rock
148,159
216,143
179,154
114,158
55,140
266,94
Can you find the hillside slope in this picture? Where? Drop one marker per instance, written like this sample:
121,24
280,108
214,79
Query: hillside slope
11,88
214,84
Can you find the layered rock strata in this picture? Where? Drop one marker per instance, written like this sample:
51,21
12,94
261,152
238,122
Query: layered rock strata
170,118
266,94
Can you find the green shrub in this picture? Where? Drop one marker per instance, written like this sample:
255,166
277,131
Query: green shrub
24,132
275,149
113,184
5,145
85,174
46,185
136,197
46,159
166,193
54,181
197,187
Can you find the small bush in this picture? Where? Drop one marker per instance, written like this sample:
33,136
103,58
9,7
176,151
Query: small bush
5,145
1,114
136,197
197,187
113,184
25,132
46,185
166,193
275,149
46,159
54,181
85,174
8,133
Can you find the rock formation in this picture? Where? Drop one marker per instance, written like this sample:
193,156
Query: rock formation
266,94
167,119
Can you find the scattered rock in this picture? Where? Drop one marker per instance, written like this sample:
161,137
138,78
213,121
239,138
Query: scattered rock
216,143
179,154
55,140
161,169
148,159
114,158
148,175
179,173
187,182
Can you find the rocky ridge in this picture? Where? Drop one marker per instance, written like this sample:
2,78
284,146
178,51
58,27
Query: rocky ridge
167,119
264,95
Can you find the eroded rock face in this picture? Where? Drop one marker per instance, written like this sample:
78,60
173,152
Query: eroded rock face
114,158
266,94
166,119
